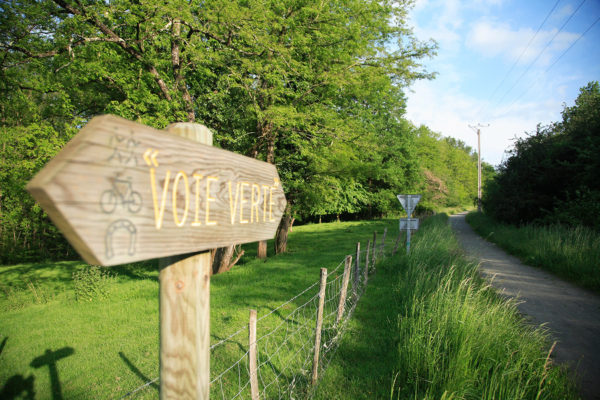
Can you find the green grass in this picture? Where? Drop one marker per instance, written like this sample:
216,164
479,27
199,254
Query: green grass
110,345
571,253
452,336
426,327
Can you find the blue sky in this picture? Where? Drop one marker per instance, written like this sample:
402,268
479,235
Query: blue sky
493,70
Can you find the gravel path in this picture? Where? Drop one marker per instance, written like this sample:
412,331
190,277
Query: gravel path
571,313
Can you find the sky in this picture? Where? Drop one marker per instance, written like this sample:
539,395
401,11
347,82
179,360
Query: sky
496,66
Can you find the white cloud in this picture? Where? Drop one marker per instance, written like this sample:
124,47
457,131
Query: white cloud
493,39
563,13
450,113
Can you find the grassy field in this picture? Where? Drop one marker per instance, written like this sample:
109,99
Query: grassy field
571,253
426,327
107,346
429,328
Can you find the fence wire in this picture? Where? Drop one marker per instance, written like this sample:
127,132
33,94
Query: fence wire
286,340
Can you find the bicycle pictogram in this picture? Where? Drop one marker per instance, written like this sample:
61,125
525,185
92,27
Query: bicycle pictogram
121,193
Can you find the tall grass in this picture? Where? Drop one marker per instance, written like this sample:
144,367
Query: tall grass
571,253
428,327
458,339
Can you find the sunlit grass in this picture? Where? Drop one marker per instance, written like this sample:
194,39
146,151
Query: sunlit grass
114,340
453,337
571,253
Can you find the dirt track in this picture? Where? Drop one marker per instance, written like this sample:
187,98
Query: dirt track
571,313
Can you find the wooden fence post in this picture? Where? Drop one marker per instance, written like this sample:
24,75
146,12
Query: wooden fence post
344,290
315,368
252,356
185,311
382,251
367,258
396,244
374,255
357,268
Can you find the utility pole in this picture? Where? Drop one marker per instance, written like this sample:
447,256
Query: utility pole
477,128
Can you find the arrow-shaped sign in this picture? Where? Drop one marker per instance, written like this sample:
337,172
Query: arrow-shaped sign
122,192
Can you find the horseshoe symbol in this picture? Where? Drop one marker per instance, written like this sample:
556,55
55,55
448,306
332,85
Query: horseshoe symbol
115,226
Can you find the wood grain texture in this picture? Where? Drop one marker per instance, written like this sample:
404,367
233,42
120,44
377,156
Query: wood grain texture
356,268
344,290
253,356
382,248
185,311
317,348
367,259
123,192
185,327
374,251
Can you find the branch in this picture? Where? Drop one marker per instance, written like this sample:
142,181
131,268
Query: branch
113,37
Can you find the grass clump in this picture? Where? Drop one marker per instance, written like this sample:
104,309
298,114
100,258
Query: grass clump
569,252
458,339
91,282
428,327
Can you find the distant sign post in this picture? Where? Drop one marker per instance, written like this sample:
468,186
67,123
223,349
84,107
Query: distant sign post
123,192
409,202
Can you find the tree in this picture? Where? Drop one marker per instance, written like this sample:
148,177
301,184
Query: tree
278,81
552,175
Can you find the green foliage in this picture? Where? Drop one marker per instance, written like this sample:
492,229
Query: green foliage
552,175
313,87
449,171
17,297
92,283
571,252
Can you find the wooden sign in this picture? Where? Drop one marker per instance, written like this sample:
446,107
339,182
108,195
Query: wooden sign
123,192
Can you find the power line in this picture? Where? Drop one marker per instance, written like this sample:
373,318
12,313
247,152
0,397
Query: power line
521,55
541,52
556,61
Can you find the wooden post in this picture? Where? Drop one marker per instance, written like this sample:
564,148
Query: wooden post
374,255
315,368
357,268
185,311
262,249
344,291
396,244
367,258
253,356
382,251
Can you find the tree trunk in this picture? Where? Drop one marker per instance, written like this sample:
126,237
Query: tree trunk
292,224
222,259
282,234
265,132
262,249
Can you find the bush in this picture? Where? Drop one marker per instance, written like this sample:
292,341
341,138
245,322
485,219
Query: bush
91,282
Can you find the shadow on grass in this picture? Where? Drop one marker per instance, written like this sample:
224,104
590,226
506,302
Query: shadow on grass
136,370
3,345
50,359
18,387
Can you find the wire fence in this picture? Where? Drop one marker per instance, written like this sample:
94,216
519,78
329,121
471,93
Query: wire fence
285,340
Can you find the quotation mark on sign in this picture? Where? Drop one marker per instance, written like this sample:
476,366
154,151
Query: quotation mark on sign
150,157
